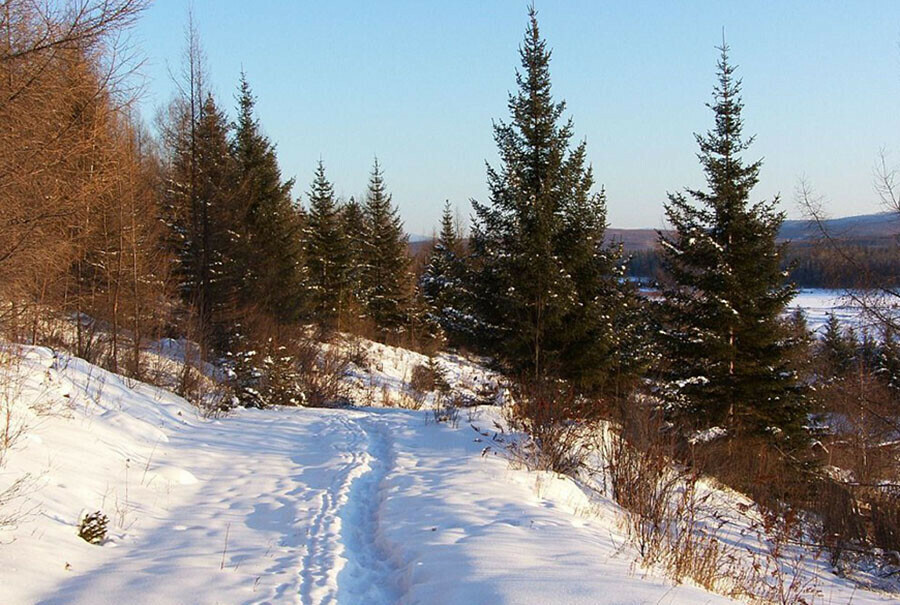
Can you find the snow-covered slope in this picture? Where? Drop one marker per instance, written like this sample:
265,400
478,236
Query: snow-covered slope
352,506
381,375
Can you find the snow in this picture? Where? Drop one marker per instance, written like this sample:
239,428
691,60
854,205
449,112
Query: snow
707,435
819,304
383,379
292,505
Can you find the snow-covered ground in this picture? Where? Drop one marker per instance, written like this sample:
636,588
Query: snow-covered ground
818,304
383,378
350,506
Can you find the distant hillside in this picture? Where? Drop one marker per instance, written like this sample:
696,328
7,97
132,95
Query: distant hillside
863,229
871,238
419,246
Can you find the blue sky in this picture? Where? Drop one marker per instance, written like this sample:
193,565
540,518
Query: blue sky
418,84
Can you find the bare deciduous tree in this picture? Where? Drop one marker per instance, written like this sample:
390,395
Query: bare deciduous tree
877,297
79,228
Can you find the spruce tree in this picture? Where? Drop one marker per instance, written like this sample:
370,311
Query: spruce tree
888,362
728,345
327,254
442,284
201,210
272,261
386,282
838,350
355,229
546,289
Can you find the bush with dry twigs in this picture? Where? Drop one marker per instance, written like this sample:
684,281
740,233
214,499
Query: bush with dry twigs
557,424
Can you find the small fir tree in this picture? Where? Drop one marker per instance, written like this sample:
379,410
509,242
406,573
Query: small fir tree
888,363
836,345
355,229
442,284
385,280
327,252
265,375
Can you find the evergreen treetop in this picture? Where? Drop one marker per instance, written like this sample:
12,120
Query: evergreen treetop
386,283
327,254
202,210
442,282
449,238
273,264
355,229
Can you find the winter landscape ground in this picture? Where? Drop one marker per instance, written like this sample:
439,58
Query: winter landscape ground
371,505
819,304
225,379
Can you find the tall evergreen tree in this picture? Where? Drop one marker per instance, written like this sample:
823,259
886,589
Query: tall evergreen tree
272,247
327,253
200,209
442,281
547,290
726,340
386,281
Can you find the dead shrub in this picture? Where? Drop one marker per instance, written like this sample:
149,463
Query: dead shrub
322,376
557,424
488,393
354,320
404,399
841,523
14,494
853,518
862,425
211,397
428,380
777,575
884,511
357,353
643,480
857,503
754,466
667,519
446,411
12,377
642,483
12,428
447,414
216,401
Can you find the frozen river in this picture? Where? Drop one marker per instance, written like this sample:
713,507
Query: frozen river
818,304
